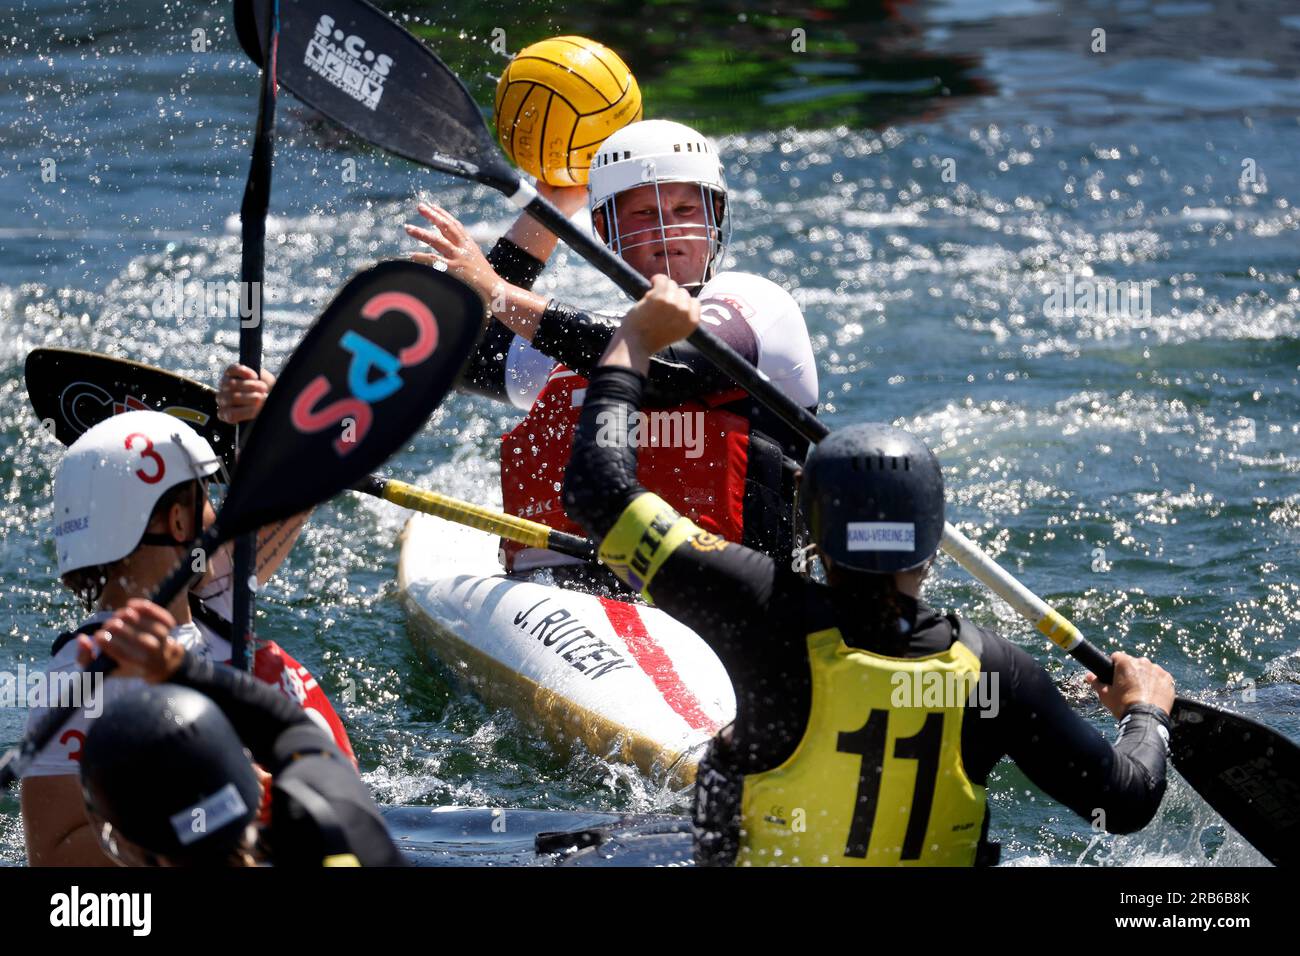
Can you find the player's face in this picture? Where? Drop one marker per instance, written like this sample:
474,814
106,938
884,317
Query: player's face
665,231
186,514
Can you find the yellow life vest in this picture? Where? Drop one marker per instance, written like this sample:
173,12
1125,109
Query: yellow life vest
877,779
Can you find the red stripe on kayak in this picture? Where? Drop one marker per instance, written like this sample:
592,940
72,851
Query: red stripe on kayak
626,619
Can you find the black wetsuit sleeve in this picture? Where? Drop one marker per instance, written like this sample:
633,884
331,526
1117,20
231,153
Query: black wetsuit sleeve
260,714
292,747
1119,785
514,265
485,374
601,481
677,374
720,589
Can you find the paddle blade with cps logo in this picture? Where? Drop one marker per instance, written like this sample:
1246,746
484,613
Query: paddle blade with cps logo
366,376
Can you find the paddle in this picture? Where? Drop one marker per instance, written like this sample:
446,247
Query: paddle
252,270
1237,764
534,534
71,391
411,104
408,102
365,377
1245,770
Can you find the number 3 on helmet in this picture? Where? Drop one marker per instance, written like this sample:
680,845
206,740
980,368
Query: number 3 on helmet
111,478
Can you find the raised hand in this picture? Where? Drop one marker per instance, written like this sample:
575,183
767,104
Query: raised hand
242,393
454,250
139,638
666,314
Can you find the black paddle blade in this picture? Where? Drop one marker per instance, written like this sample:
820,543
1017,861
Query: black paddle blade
72,391
1248,772
364,379
246,31
368,74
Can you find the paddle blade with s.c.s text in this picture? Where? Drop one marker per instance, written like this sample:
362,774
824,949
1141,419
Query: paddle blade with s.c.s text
351,62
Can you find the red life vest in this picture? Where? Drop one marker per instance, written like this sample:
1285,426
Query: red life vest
274,665
709,488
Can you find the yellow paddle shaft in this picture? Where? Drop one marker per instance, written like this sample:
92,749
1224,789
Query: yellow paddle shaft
531,533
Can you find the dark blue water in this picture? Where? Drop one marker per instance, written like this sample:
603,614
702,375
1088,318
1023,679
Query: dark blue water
1137,470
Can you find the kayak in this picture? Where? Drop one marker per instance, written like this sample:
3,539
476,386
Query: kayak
483,836
623,679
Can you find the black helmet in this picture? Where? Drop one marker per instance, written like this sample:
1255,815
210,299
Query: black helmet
165,769
872,498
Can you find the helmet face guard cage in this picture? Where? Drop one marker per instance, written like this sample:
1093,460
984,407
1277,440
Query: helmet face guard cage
715,230
657,153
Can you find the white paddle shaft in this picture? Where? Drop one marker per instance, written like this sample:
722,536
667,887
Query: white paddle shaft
997,579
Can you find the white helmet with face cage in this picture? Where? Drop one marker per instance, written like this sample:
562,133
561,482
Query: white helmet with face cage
653,152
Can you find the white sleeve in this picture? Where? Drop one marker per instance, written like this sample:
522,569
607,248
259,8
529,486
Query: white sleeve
92,692
64,682
784,349
526,372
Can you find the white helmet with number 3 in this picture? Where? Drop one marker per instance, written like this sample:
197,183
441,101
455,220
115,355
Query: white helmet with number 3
112,477
653,152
